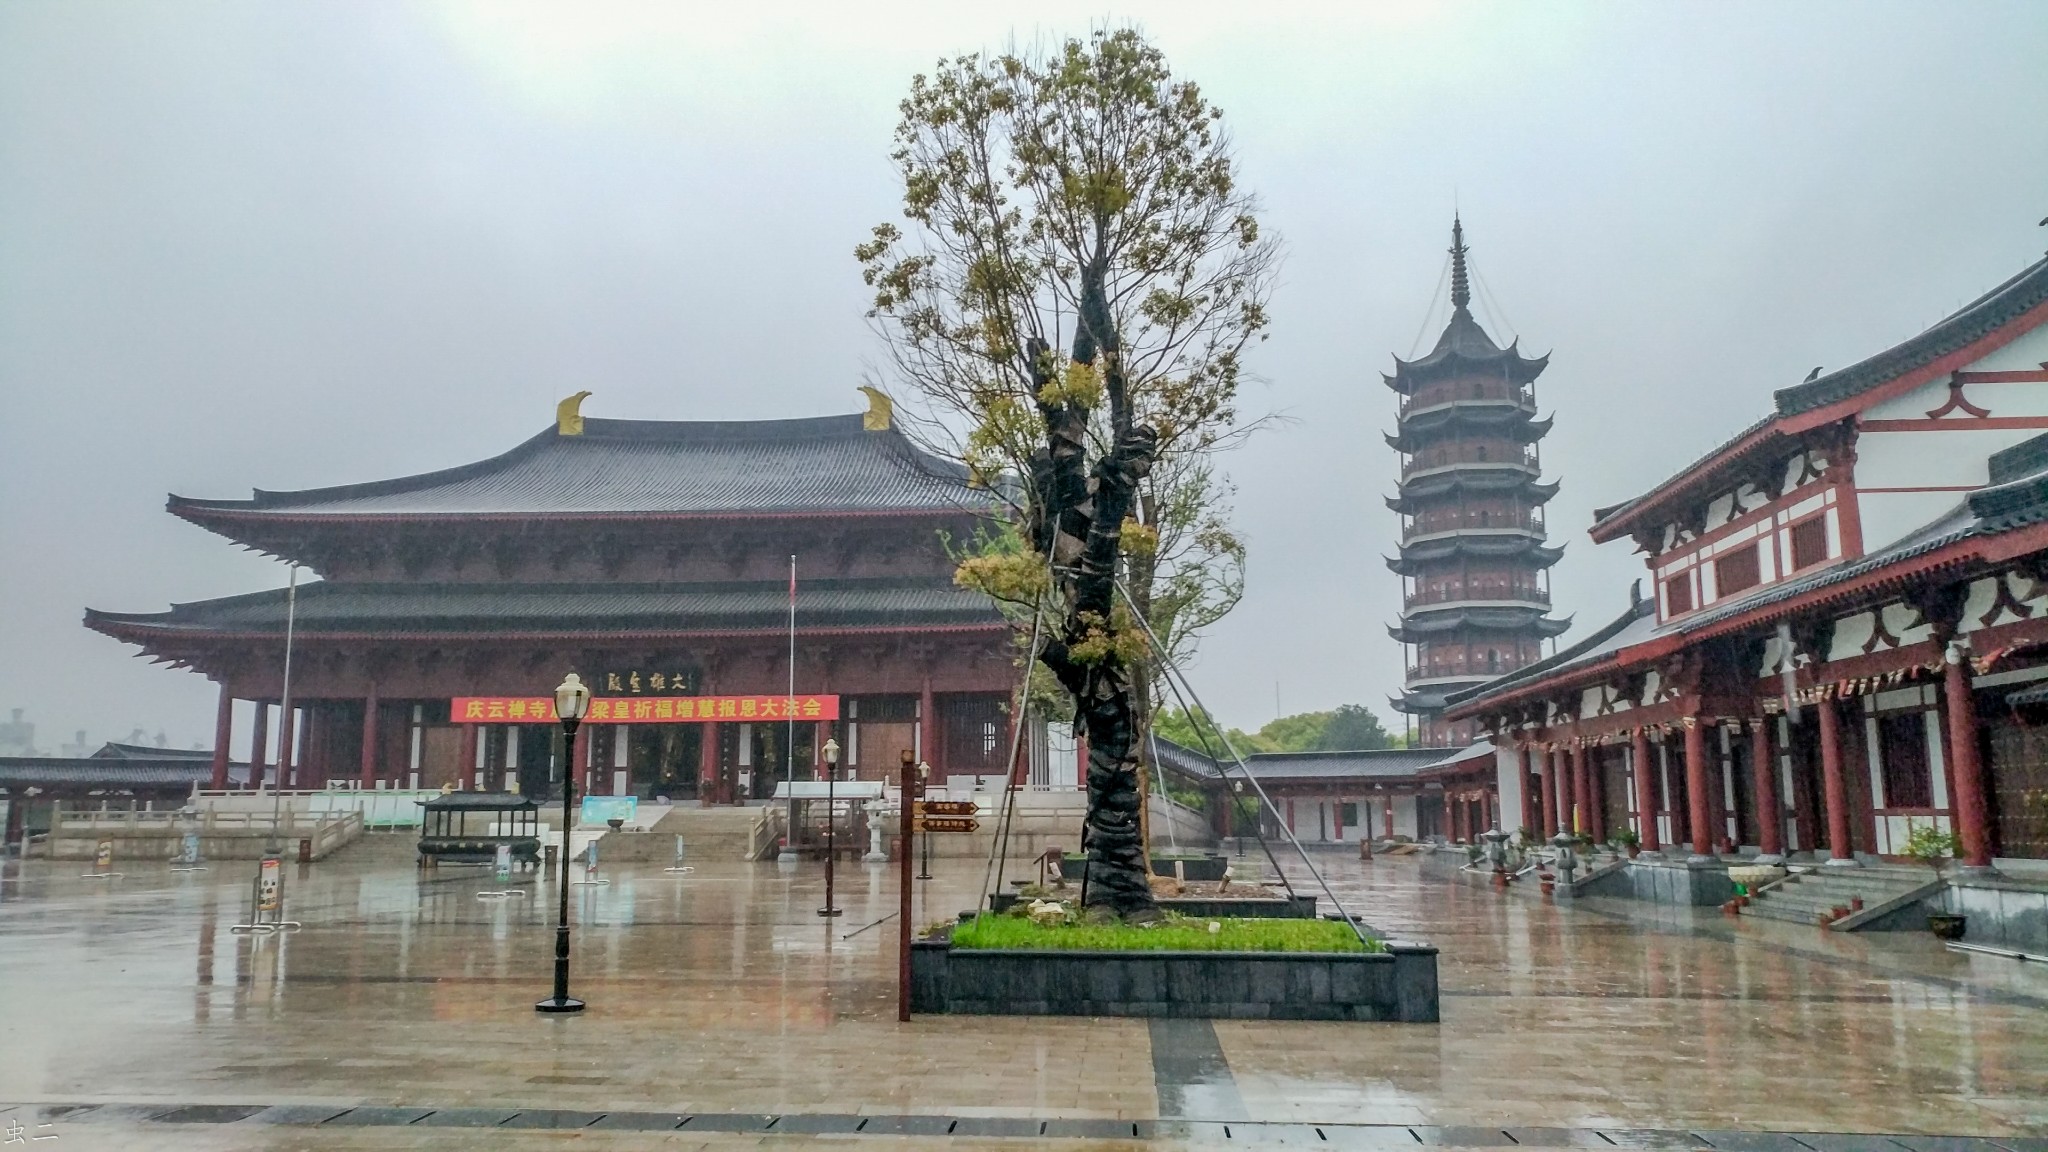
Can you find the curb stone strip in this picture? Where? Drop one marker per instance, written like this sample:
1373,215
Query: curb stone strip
1370,1136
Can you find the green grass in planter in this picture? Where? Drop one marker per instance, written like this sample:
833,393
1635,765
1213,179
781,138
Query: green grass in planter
1174,934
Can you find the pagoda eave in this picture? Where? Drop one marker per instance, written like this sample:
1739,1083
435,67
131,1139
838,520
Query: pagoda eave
1415,497
1536,557
1509,363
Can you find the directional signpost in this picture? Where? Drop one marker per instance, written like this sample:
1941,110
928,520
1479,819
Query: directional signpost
947,816
921,816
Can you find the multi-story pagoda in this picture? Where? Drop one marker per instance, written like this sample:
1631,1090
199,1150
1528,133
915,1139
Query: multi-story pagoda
1475,598
652,557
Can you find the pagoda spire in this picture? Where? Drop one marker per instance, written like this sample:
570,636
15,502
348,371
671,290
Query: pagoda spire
1461,288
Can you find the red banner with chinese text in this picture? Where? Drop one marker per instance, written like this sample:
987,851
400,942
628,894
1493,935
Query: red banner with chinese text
645,709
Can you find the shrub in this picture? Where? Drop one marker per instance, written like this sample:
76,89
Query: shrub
1172,934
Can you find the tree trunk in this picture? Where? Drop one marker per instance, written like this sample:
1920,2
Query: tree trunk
1078,519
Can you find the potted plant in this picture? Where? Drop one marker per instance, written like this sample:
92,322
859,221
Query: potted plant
1931,846
1630,842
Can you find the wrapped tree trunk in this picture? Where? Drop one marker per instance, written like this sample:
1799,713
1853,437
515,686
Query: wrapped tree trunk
1078,520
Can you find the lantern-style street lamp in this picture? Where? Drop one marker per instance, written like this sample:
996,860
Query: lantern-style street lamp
572,700
831,751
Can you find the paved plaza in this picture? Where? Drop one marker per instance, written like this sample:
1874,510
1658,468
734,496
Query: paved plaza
725,1013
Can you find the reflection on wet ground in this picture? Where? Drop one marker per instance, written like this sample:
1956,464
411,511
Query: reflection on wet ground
721,993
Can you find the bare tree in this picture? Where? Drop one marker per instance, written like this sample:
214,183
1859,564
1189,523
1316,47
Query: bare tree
1083,198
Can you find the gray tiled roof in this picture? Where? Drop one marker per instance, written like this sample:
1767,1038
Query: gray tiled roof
1631,627
1465,347
495,608
1972,322
820,464
2018,502
83,772
1387,763
116,751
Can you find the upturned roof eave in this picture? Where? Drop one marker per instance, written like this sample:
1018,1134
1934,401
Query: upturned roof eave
244,512
2021,295
1962,549
135,631
1618,520
1978,328
1435,366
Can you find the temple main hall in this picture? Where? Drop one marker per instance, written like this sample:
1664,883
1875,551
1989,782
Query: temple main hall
652,557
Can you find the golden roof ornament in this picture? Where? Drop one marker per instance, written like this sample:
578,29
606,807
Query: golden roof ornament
881,411
569,415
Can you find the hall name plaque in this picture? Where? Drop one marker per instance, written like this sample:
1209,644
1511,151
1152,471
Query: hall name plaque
646,709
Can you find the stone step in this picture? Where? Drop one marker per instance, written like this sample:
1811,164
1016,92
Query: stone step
1806,907
1789,914
710,834
1871,888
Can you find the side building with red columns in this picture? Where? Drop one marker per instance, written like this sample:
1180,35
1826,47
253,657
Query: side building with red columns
651,557
1845,632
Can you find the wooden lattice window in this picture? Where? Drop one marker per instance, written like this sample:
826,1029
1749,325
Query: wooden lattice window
1678,594
1809,543
1736,571
1902,742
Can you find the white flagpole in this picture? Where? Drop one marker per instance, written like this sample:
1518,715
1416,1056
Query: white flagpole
789,739
286,736
788,853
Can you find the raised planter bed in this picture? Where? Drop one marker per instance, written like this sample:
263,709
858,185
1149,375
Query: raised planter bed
1209,866
1398,984
1298,907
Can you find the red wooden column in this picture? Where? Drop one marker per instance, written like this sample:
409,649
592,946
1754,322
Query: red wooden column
1019,773
1835,788
312,758
369,777
1770,814
1596,787
465,758
1390,817
1548,786
259,744
1717,795
1697,805
223,732
1582,793
709,791
287,747
1529,786
1972,817
1646,790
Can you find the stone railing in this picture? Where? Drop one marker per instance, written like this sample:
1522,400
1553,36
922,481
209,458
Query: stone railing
139,834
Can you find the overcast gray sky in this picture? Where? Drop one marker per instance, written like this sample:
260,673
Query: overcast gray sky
259,245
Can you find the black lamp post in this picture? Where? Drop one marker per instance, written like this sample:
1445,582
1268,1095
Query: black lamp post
831,751
572,699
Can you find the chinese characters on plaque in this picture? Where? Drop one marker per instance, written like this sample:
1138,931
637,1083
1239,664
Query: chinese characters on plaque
643,682
646,710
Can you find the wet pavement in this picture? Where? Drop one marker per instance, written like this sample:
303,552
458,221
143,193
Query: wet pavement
725,1013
